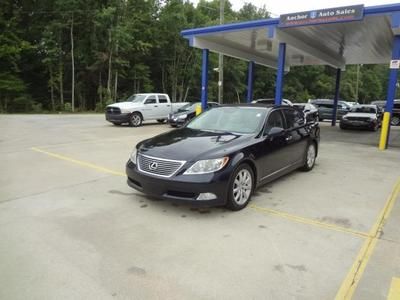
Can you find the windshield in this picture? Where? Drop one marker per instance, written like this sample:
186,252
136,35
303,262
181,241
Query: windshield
230,119
136,98
188,107
363,109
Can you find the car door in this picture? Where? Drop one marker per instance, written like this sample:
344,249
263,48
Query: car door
164,107
150,108
325,110
271,152
296,135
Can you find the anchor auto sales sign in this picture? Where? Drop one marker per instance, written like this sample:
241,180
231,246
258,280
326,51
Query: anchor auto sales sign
323,16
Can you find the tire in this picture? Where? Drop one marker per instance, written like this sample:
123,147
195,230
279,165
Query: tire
375,128
395,121
241,187
117,123
136,119
309,157
342,127
161,120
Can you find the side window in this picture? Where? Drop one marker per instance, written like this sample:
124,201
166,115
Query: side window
162,99
293,118
151,100
326,105
274,120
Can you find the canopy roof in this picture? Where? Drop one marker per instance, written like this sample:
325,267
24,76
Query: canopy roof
365,41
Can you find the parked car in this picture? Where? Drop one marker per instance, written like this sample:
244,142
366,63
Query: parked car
325,108
380,103
186,113
309,110
141,107
362,116
221,156
271,101
395,119
352,103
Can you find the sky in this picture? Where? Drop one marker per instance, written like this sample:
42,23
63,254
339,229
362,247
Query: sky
278,7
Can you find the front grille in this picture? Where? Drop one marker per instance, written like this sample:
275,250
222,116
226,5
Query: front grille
363,119
158,166
113,110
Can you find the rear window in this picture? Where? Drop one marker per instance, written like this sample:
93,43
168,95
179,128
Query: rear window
162,99
325,105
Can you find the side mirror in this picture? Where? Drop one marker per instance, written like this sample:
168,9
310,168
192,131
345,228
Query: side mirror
275,131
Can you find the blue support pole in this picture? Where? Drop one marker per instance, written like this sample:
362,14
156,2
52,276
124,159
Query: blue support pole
250,81
391,94
336,99
204,80
280,74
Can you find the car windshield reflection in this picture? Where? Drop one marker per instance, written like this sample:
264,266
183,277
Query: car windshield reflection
230,119
363,109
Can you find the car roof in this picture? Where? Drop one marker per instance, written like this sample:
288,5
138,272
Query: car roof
262,106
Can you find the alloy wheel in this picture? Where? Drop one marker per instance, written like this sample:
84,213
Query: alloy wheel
310,156
395,121
242,186
136,120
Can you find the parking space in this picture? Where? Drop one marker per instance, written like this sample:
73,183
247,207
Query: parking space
72,228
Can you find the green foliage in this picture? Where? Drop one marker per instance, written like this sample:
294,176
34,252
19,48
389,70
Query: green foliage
123,47
67,107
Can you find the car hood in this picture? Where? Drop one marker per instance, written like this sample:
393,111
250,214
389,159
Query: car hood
125,105
190,145
362,115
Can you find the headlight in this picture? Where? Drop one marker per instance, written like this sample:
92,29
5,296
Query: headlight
182,117
207,166
133,156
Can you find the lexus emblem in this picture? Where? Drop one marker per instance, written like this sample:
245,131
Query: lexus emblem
153,166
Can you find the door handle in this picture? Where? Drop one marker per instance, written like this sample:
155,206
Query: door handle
155,105
168,105
289,138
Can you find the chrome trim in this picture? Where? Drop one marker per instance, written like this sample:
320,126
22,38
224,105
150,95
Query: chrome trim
181,162
284,168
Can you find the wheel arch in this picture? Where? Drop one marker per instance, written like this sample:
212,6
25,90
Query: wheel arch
138,112
241,158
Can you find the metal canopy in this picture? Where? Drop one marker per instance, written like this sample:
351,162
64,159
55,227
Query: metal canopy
368,41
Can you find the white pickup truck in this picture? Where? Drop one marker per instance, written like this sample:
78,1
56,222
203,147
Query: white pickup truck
141,107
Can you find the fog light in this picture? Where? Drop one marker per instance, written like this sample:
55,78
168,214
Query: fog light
206,196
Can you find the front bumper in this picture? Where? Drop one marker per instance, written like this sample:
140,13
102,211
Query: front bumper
358,124
176,122
118,118
180,188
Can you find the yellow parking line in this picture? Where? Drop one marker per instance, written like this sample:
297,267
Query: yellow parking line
353,277
79,162
303,220
394,292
